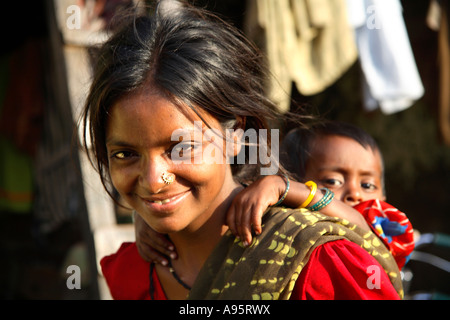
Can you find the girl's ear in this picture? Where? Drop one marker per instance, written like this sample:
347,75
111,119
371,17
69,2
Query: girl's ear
240,122
235,137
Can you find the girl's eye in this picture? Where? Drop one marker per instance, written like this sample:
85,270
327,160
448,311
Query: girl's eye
122,155
184,151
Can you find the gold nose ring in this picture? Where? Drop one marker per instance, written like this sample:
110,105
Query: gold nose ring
168,178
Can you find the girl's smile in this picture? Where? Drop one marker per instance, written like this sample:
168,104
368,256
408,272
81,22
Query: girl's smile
165,203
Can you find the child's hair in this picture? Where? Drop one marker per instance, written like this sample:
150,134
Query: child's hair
192,56
296,146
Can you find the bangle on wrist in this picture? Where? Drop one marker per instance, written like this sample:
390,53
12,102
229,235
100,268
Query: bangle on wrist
322,203
285,192
313,187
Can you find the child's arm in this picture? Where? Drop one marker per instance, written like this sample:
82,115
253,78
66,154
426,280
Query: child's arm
249,205
152,246
246,212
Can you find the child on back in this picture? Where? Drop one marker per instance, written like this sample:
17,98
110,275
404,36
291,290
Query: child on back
348,161
335,155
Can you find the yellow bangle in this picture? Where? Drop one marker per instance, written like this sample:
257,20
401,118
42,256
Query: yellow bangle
313,186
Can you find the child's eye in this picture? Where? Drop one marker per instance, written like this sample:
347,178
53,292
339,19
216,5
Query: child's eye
368,186
332,182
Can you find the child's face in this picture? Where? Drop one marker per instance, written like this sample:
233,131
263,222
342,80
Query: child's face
341,164
139,144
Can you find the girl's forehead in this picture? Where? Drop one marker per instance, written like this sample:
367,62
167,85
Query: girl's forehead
151,97
149,114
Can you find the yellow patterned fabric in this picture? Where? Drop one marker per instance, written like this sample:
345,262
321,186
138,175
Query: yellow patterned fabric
270,266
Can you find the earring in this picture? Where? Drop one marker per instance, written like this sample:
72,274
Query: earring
168,178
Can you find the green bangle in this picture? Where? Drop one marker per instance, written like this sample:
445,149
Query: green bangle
322,203
285,192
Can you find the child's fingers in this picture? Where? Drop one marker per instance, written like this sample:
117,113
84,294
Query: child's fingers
230,220
151,244
256,220
245,226
151,255
244,214
156,248
160,243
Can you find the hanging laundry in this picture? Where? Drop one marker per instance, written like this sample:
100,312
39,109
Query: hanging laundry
391,80
308,42
438,20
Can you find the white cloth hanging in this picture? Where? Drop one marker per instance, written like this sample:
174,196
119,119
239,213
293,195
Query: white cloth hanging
391,79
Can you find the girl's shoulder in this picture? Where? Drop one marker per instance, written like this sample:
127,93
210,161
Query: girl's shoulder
126,273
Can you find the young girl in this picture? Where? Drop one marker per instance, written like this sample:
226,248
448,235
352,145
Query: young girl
166,88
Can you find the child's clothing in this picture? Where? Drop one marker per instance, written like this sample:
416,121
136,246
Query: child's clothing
390,225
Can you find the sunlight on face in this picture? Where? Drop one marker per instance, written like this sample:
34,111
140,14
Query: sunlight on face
139,140
341,164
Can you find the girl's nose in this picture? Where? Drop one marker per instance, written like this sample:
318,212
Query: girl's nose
154,175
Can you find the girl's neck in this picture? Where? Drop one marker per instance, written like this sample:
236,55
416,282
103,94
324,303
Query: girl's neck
193,250
194,247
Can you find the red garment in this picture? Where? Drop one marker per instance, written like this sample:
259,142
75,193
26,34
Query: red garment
336,270
392,226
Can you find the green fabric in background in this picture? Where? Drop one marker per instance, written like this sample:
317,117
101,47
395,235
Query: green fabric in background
16,179
16,167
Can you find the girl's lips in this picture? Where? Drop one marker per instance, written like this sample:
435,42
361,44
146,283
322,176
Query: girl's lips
167,204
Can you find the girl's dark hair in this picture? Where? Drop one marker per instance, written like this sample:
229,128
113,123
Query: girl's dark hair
195,58
296,146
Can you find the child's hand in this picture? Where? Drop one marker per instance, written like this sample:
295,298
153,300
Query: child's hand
249,205
152,246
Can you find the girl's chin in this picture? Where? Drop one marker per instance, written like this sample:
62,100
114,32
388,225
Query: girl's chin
165,226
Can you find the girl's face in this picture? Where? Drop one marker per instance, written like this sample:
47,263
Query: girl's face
341,164
140,147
